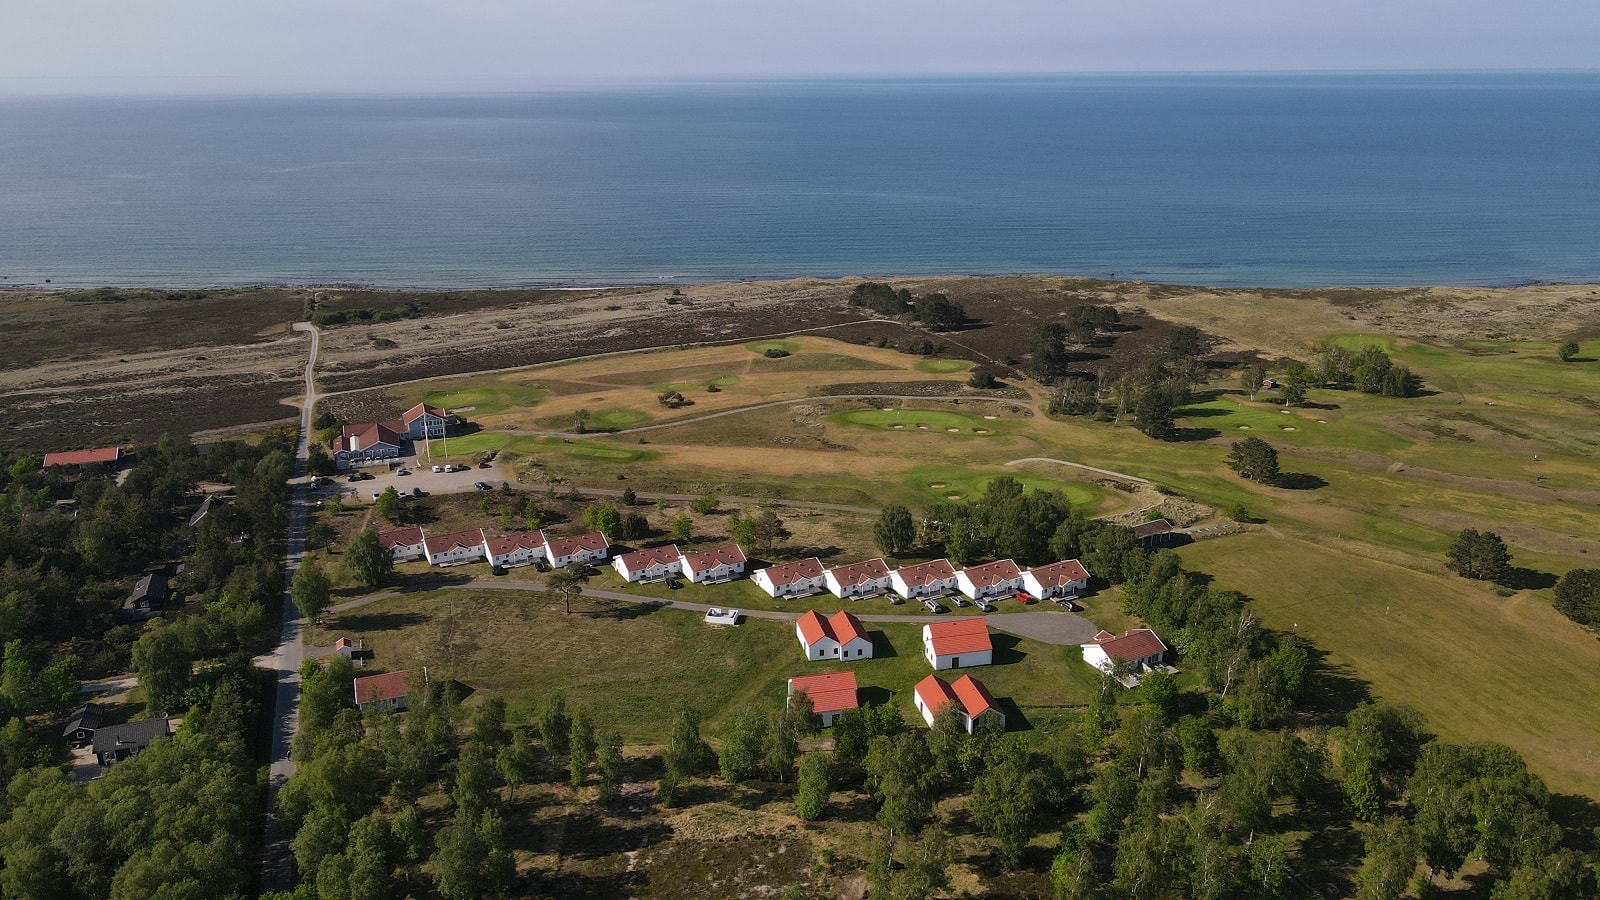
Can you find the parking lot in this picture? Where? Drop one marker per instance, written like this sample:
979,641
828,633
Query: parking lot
420,478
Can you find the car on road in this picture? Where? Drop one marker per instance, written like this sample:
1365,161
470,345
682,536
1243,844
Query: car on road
481,485
933,605
401,472
984,605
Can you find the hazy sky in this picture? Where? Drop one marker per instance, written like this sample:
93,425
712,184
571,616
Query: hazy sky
195,46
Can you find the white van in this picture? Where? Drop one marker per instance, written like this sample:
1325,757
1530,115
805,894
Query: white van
438,468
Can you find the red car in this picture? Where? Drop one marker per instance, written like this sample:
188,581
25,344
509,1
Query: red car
1025,598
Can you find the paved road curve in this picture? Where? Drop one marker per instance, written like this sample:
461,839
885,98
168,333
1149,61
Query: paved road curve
277,864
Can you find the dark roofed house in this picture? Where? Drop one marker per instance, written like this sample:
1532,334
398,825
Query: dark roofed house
1156,534
212,501
84,723
118,742
149,597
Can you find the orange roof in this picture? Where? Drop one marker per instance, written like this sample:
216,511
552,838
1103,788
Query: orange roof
83,457
813,627
1128,646
934,693
974,697
377,688
829,693
846,627
1060,573
593,541
958,636
360,437
344,642
789,573
926,573
856,573
729,555
401,537
447,542
500,545
644,559
991,574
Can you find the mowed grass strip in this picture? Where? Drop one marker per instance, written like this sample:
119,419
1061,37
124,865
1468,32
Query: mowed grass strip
632,665
1481,667
931,420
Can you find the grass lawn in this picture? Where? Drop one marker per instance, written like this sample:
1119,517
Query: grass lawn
486,400
931,420
631,665
764,346
943,366
1481,667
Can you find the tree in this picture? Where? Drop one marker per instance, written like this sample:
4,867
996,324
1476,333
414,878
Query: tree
390,506
765,530
938,312
568,582
682,527
555,726
311,589
604,519
742,743
816,774
982,378
366,560
608,761
1005,800
162,660
580,421
1048,358
1479,554
1251,378
895,532
1185,343
1567,350
629,498
516,762
1390,862
706,503
1578,596
581,744
1152,409
1254,458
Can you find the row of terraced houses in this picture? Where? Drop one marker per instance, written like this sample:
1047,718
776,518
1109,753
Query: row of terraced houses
935,578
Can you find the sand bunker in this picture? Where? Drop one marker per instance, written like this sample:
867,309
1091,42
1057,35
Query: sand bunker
980,431
952,496
1244,427
1288,428
897,425
991,417
953,429
922,426
939,485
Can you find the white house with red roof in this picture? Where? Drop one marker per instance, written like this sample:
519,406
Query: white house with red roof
974,704
654,564
713,566
830,694
386,691
582,550
370,444
796,579
1060,579
454,549
424,421
996,579
957,644
1138,649
934,578
403,543
839,636
99,455
508,551
857,580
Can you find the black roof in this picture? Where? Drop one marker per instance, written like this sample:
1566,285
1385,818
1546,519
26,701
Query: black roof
89,716
152,588
1150,529
134,734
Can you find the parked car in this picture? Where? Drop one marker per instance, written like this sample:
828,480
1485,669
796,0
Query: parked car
418,492
367,476
481,485
896,599
1025,598
376,494
353,476
438,468
402,472
540,565
674,583
959,601
933,605
497,570
984,605
1068,604
485,465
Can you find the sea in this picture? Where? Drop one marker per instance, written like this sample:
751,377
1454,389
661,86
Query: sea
1288,180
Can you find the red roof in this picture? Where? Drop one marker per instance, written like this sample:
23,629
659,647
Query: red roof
401,537
789,573
991,574
813,627
593,541
447,542
729,555
522,540
83,457
415,413
846,627
343,642
1128,646
359,437
829,693
926,573
974,697
934,693
857,573
377,688
958,636
1060,573
639,560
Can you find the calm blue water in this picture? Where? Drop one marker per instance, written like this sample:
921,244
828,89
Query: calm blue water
1243,180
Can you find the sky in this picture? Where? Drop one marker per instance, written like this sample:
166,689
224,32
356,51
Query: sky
358,46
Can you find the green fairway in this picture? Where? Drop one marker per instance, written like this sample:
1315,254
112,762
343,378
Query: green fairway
943,366
1481,667
764,346
486,400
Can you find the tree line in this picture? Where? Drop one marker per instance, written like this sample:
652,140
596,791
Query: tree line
934,310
